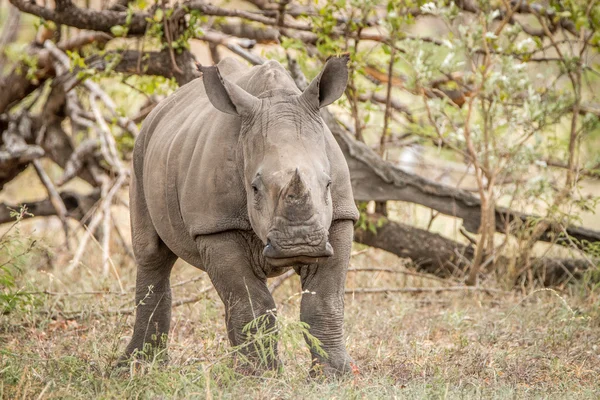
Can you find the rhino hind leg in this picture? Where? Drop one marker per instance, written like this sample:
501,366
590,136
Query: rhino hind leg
229,260
154,262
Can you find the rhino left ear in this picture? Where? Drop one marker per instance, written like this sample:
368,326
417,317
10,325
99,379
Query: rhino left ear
330,84
226,96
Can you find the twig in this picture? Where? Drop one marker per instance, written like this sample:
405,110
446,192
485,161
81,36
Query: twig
280,279
107,141
388,103
60,56
121,239
467,236
424,290
167,31
55,199
77,160
187,281
236,46
358,253
107,196
102,292
106,218
193,299
189,300
67,294
396,271
90,229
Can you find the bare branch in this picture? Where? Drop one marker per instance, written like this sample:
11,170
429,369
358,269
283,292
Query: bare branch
76,162
55,199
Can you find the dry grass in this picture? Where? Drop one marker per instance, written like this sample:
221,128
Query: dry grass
453,345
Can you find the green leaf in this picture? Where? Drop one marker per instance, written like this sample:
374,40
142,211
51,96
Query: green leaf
118,30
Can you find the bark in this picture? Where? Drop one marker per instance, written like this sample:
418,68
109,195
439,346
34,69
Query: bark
431,253
66,13
149,63
434,254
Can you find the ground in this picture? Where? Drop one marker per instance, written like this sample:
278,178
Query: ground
62,340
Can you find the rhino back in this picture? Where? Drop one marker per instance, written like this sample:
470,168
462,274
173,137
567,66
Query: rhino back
188,166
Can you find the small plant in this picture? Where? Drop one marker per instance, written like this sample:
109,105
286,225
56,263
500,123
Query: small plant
268,330
366,222
14,252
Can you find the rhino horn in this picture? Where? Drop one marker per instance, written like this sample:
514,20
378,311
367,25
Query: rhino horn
296,198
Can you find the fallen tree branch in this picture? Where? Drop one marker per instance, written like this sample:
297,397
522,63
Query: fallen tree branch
376,179
442,257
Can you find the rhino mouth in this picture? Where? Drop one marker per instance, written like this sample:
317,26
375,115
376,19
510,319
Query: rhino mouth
282,251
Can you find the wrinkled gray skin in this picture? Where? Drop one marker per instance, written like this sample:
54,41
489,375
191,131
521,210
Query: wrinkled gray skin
237,174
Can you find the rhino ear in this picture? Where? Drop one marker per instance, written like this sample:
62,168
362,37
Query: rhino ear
226,96
330,84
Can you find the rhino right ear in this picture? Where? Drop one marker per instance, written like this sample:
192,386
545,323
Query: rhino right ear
226,96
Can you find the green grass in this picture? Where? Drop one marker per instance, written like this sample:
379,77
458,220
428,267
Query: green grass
453,345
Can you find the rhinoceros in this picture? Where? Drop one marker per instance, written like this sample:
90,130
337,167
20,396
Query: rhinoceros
237,174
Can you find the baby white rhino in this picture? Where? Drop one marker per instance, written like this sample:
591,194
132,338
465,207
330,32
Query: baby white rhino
237,174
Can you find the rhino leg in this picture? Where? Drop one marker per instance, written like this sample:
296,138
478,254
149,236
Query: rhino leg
154,262
230,260
322,306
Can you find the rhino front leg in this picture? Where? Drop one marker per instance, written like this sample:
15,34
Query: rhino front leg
228,260
322,306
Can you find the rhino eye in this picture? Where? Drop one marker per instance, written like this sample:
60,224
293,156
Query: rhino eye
328,185
255,189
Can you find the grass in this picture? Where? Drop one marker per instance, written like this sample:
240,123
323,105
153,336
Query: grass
448,345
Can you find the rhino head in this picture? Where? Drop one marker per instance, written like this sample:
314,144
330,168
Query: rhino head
287,174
